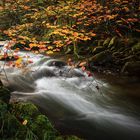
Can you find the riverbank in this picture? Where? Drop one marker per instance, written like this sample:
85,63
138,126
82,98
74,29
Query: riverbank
23,120
114,56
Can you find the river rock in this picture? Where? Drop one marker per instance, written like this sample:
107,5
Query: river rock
56,63
132,68
101,58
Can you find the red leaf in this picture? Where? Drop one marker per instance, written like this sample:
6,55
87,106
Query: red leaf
89,73
83,68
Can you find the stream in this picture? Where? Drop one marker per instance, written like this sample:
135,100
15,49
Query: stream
72,100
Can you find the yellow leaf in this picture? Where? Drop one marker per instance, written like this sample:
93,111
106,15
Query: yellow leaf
49,52
24,122
18,61
50,47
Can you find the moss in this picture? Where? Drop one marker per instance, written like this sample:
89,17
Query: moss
101,58
43,128
9,125
4,94
3,108
25,110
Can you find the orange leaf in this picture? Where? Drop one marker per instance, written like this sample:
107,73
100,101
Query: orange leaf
83,63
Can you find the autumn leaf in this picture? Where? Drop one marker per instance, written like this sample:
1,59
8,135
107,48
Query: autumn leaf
5,55
50,47
16,56
30,61
82,63
83,68
18,61
49,52
75,34
89,74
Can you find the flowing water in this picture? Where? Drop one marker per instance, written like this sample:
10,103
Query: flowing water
73,101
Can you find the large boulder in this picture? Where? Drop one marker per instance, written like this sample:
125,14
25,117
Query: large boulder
131,68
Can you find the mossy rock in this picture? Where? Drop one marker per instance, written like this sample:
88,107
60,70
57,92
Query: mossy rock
113,42
101,58
106,42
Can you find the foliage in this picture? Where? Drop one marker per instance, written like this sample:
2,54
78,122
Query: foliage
64,24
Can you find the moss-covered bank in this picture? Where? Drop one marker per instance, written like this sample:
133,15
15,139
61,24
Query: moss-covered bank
23,121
